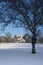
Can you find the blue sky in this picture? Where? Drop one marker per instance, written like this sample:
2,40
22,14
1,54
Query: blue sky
9,29
13,31
16,31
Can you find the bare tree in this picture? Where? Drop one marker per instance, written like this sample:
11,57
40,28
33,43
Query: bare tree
29,14
8,38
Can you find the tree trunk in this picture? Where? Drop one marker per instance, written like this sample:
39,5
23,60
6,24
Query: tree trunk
33,43
33,48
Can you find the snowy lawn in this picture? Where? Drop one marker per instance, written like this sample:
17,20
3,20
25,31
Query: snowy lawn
21,56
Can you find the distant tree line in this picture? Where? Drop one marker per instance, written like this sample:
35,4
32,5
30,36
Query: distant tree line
18,39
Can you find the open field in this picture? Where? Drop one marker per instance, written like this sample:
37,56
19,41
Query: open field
14,45
17,45
21,55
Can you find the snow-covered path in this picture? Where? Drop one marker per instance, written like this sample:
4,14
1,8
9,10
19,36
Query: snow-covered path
21,56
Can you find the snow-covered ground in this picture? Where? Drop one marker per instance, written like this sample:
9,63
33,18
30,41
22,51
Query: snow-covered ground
21,55
14,45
